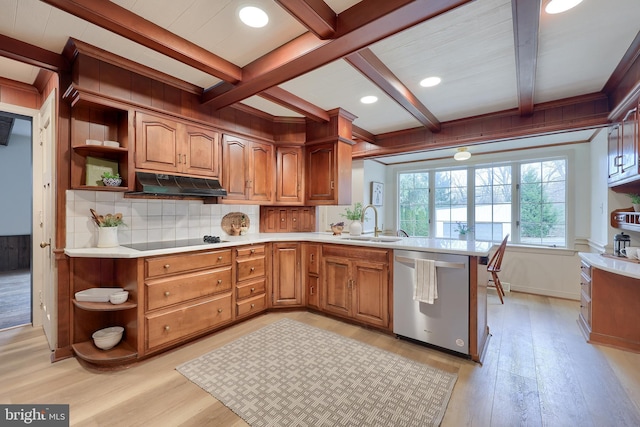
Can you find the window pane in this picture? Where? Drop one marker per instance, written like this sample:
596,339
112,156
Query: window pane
451,202
414,203
543,202
493,207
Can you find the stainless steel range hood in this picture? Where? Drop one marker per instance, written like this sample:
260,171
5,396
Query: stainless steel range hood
174,185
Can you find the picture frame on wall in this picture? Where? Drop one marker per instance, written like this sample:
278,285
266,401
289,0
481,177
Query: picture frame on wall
377,193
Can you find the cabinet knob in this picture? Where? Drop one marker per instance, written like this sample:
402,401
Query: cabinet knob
253,289
166,266
220,258
219,310
167,293
294,219
252,269
167,328
253,305
219,281
253,251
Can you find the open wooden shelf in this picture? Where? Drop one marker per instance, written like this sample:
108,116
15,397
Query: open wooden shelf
104,306
87,351
625,219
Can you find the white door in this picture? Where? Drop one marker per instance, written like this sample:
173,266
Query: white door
45,289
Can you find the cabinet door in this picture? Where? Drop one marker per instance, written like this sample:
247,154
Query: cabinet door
289,176
629,144
157,142
320,164
336,286
202,150
613,150
235,152
287,286
371,293
261,172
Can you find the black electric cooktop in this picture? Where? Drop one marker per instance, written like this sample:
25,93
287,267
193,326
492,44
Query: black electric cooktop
150,246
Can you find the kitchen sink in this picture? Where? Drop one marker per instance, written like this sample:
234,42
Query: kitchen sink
373,239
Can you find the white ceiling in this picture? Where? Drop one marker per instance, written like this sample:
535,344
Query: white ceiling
471,48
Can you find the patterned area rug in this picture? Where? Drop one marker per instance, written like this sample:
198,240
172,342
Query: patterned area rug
292,374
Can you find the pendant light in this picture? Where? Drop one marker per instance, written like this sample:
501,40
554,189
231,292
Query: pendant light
462,154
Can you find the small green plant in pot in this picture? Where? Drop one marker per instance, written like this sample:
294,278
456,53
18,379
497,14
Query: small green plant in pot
635,201
462,230
354,215
111,180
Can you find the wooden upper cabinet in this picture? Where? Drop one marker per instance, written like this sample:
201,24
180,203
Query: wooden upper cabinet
328,177
248,169
613,149
166,145
289,178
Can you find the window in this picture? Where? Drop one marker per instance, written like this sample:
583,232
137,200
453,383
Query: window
413,196
526,200
450,202
542,202
493,207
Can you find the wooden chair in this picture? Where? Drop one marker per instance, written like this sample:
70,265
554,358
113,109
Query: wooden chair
494,268
401,233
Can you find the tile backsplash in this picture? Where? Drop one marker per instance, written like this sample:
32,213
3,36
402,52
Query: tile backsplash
148,220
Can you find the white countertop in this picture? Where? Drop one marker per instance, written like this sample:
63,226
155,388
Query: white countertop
451,246
612,265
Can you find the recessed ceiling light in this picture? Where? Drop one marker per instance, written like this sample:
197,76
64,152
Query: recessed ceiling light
558,6
370,99
430,81
253,16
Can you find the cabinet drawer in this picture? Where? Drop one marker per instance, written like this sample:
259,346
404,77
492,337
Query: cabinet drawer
585,285
585,308
246,251
585,269
165,265
164,292
251,305
171,326
313,261
249,268
250,289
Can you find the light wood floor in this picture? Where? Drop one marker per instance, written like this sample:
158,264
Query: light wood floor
538,371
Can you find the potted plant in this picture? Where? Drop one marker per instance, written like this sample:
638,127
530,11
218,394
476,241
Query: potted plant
107,228
355,216
635,201
462,230
111,180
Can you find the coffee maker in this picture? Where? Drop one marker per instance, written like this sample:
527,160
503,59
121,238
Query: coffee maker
620,241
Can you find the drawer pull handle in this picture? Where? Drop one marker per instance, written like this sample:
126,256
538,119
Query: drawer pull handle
167,293
220,258
167,266
253,251
282,220
219,281
166,328
253,269
219,310
253,289
253,305
311,290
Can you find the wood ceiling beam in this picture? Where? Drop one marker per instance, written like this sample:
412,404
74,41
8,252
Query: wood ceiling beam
119,20
526,23
361,25
375,70
288,100
316,15
32,55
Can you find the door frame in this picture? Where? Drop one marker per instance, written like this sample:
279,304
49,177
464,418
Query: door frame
37,265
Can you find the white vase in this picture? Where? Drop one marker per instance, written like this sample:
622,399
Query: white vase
107,237
355,228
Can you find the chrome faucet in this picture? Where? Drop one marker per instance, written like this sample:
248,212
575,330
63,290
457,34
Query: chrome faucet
376,230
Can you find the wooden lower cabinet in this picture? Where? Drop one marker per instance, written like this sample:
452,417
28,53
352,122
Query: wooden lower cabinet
610,315
355,284
287,289
311,275
251,265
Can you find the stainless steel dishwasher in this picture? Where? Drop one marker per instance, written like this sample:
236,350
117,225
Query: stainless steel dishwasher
446,322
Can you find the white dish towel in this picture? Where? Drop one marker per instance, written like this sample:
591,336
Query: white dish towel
426,281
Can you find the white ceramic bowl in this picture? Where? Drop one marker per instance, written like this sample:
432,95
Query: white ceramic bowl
108,337
118,297
111,144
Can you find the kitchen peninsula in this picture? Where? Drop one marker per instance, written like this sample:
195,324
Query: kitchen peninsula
179,294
